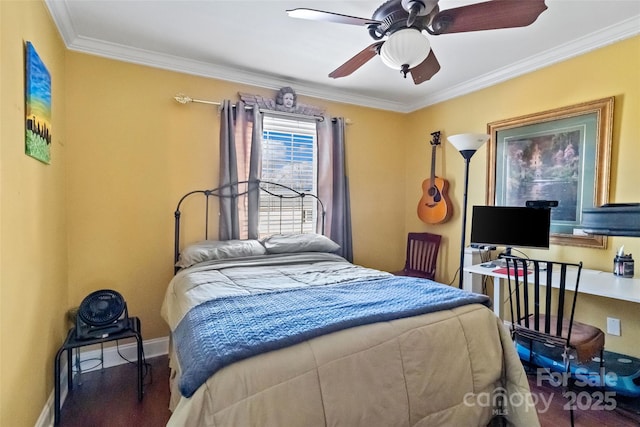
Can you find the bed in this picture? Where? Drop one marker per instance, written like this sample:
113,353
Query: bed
281,331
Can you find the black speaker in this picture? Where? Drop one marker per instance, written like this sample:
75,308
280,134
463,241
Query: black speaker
101,313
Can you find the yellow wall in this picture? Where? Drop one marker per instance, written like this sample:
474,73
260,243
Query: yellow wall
611,71
101,215
33,226
133,151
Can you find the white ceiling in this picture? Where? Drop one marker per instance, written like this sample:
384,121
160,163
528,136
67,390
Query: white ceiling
255,42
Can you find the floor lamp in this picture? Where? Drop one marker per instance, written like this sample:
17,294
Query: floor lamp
467,144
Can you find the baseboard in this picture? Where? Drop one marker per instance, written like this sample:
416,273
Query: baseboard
112,356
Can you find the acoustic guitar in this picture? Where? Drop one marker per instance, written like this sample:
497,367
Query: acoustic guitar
434,205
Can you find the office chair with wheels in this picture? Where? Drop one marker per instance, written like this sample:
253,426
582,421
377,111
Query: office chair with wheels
422,255
541,314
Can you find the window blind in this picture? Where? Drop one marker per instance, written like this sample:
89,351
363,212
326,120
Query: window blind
289,157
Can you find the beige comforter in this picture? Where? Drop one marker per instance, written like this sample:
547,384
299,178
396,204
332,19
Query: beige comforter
447,368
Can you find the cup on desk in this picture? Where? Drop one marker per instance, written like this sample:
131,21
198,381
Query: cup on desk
623,265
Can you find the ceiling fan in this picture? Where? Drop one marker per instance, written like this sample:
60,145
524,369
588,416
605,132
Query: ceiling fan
403,23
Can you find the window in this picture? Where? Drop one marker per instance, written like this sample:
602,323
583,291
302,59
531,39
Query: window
289,157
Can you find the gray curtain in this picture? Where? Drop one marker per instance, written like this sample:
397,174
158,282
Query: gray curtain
240,148
333,184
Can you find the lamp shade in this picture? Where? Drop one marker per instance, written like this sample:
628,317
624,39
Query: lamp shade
468,141
405,47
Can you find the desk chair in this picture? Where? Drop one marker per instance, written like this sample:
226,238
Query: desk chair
422,255
542,317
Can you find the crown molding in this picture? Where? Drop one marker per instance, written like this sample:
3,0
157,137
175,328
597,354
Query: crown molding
597,40
205,69
61,17
73,41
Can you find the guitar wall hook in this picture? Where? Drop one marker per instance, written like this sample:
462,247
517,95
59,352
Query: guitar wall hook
434,206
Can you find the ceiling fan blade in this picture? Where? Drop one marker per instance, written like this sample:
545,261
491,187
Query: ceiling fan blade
357,61
426,69
320,15
490,15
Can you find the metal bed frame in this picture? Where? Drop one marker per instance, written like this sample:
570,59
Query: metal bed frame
281,191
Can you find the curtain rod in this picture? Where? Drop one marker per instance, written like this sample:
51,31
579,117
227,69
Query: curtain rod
184,99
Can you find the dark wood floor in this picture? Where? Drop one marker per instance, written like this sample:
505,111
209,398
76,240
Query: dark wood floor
109,399
596,410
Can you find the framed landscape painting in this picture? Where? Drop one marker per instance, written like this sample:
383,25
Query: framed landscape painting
37,106
562,154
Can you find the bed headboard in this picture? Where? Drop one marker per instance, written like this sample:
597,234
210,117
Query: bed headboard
280,192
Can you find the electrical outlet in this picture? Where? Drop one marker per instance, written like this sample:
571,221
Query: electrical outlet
613,326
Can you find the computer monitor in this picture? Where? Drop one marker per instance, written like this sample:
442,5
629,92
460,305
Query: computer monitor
510,226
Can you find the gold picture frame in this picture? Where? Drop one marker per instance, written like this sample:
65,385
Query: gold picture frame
562,154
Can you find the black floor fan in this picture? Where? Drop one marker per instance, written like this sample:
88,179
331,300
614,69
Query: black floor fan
101,314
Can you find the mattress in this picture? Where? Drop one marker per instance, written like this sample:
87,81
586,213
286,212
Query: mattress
450,366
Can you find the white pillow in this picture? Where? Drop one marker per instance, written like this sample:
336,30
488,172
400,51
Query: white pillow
287,243
207,250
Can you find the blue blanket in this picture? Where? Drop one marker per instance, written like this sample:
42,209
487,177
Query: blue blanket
219,332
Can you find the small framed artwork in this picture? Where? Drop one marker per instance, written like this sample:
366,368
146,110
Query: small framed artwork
37,106
562,154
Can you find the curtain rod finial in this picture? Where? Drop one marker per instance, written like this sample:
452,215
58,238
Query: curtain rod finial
182,98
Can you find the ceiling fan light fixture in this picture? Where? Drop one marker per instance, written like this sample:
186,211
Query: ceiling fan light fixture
405,49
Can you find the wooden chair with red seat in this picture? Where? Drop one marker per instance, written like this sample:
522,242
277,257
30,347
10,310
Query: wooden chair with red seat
422,255
546,317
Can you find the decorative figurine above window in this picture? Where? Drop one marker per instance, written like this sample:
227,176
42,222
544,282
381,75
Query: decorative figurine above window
286,100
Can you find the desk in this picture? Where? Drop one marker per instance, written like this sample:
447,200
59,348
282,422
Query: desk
592,282
132,330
